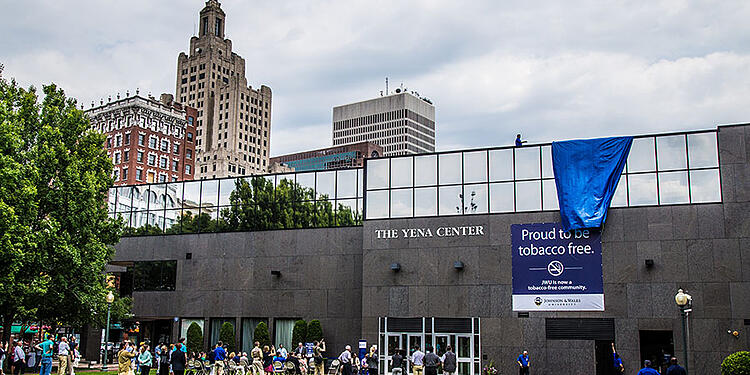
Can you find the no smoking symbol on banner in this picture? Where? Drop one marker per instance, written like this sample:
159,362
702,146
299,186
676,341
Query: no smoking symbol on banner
555,268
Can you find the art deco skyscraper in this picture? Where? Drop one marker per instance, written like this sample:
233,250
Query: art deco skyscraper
234,120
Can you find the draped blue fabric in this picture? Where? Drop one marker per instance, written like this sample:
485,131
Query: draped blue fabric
586,174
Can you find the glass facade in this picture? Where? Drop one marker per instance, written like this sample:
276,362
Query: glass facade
661,169
679,168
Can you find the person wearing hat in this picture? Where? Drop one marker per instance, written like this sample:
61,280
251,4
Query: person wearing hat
647,370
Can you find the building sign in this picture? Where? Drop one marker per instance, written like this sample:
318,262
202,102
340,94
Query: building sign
461,231
554,270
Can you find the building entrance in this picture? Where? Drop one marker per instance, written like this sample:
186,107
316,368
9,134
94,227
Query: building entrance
658,347
406,334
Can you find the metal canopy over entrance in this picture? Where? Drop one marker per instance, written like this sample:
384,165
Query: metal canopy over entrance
404,334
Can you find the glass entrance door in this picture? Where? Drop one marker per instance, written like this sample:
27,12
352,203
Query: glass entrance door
394,344
464,354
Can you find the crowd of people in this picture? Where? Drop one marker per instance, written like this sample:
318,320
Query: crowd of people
23,356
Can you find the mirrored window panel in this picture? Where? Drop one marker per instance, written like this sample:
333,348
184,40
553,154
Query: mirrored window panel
346,183
705,186
671,152
125,217
192,194
360,179
501,165
475,167
140,198
547,170
527,162
377,204
425,201
702,150
226,187
529,196
502,196
307,181
673,188
325,185
156,196
174,195
210,193
378,172
450,202
549,195
475,199
124,198
425,170
346,212
642,189
449,166
620,199
111,200
401,203
402,173
642,156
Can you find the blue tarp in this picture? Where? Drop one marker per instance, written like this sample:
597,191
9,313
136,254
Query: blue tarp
586,174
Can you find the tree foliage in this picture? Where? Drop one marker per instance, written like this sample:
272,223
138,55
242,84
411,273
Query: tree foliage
314,331
55,235
299,332
261,334
194,338
736,364
226,335
257,205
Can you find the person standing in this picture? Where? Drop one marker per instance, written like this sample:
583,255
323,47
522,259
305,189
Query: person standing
145,360
124,359
523,363
257,356
219,356
318,360
75,356
647,370
46,347
63,356
164,361
519,142
431,362
345,358
417,361
300,350
2,357
617,361
178,360
397,363
19,359
371,359
282,352
674,368
449,361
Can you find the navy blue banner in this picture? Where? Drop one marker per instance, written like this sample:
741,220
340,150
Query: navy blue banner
556,270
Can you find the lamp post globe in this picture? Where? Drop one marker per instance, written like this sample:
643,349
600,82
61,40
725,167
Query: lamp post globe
685,302
110,297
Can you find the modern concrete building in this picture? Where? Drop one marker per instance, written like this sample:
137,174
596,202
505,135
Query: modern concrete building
149,140
234,120
401,123
336,157
678,220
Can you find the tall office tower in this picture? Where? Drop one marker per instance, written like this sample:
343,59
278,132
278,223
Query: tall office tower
401,123
234,120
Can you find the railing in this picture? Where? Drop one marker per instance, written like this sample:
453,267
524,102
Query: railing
677,168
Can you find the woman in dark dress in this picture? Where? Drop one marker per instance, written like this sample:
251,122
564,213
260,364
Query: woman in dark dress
178,360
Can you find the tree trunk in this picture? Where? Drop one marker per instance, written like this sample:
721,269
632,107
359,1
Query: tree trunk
7,323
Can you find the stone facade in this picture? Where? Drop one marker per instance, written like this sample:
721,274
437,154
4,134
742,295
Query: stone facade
343,276
148,140
234,120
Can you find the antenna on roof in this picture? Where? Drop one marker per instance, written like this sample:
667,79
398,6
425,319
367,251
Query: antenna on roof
386,86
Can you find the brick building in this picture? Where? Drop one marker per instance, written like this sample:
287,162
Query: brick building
336,157
149,140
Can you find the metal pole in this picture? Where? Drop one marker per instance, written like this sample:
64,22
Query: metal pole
106,338
684,338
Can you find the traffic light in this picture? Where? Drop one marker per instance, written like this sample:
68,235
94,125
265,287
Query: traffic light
111,281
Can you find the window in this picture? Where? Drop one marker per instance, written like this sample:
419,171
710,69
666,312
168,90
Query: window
152,142
189,154
188,168
151,159
117,158
139,156
176,148
124,174
109,142
162,177
126,156
175,165
190,120
163,162
127,138
189,137
141,139
118,140
139,174
154,276
217,30
164,145
116,174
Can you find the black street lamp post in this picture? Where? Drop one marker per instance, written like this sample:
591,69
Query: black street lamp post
110,299
685,302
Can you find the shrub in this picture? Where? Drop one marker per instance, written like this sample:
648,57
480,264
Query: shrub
226,335
314,331
299,333
261,334
736,364
194,338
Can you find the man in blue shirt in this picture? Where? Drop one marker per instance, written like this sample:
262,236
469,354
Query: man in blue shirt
519,142
47,349
219,355
647,370
617,361
674,368
523,362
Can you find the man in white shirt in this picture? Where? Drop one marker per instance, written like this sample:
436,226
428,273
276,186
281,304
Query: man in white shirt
63,356
417,361
282,351
346,360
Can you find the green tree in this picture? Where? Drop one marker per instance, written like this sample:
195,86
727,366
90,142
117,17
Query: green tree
736,364
226,335
55,235
299,332
195,338
314,331
261,334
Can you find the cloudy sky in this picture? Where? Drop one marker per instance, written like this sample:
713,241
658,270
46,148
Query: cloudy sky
551,70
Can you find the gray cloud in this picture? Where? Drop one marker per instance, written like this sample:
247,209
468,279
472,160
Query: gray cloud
552,70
